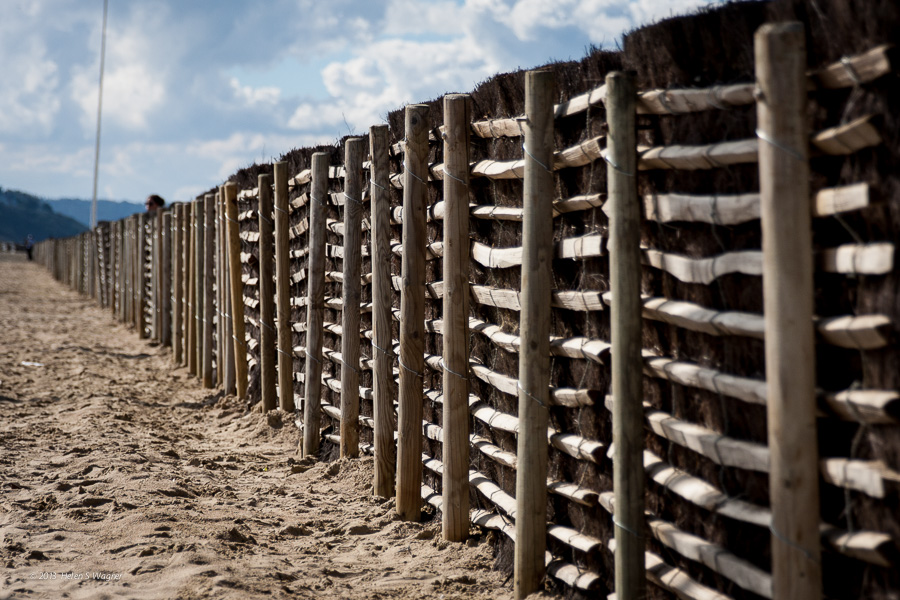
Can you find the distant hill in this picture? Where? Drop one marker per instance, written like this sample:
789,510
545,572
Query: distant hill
107,210
21,214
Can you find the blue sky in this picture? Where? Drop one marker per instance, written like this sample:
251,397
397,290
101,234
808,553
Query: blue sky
196,89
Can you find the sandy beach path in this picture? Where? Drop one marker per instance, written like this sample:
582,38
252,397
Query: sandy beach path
121,478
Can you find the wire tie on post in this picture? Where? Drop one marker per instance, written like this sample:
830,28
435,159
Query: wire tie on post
451,371
784,540
348,365
546,168
619,524
408,171
416,373
615,166
388,353
452,176
766,138
530,395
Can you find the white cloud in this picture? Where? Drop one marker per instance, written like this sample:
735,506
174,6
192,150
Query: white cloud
43,159
411,17
28,96
311,115
388,74
138,54
253,96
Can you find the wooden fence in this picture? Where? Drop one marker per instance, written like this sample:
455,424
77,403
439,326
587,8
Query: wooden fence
573,369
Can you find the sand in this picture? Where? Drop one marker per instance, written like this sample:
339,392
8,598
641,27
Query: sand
121,478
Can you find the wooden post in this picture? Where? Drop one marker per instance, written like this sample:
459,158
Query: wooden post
455,506
84,256
84,263
315,307
141,275
266,296
127,274
178,285
129,269
199,255
96,262
354,151
135,309
156,274
237,289
103,250
128,234
383,393
228,377
103,265
153,226
113,267
220,293
88,241
79,263
165,294
75,273
625,325
208,281
534,357
122,276
412,315
187,232
283,289
88,268
190,318
94,282
788,302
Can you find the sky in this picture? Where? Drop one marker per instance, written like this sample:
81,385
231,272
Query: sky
196,89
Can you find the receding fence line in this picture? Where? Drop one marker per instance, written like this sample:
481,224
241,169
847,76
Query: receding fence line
127,266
